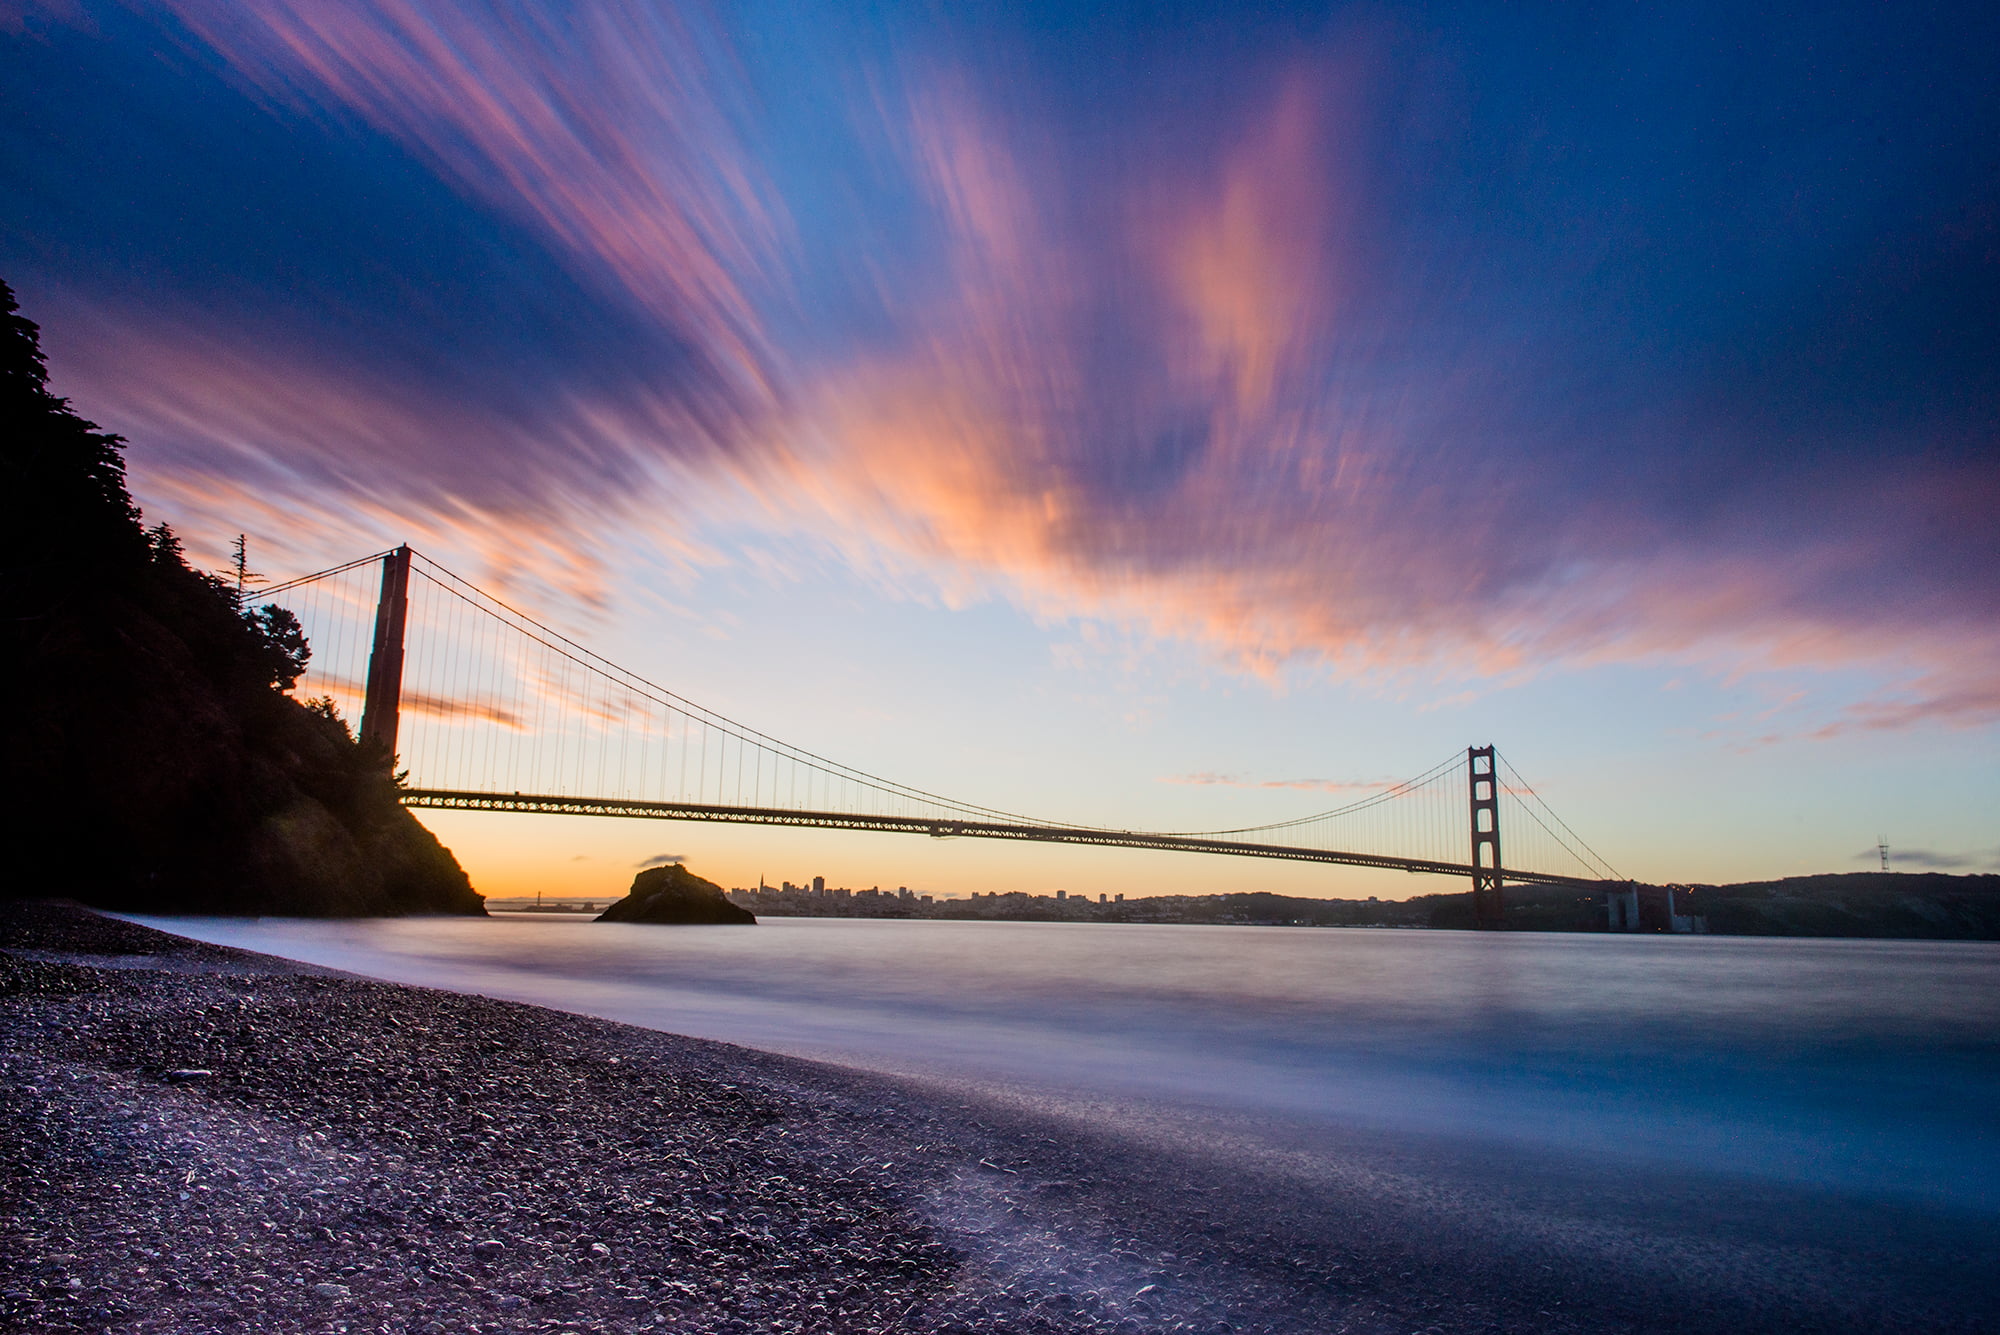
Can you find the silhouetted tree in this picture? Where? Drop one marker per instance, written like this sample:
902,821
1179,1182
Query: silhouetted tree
152,759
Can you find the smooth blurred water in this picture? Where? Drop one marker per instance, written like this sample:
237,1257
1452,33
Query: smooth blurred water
1861,1066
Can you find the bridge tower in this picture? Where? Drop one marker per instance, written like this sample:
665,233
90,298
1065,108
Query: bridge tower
1487,909
381,708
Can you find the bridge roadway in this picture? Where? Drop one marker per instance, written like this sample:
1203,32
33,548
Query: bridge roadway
548,804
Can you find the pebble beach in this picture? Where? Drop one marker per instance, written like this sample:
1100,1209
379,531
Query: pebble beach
203,1139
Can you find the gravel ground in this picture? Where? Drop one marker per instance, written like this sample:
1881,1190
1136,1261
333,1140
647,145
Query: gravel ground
201,1139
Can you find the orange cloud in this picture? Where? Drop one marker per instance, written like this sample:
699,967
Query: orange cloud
1248,261
1223,475
1147,389
460,710
321,462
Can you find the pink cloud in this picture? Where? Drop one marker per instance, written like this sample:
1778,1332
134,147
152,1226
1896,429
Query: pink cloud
608,127
1310,785
1147,389
609,133
321,462
1310,521
1950,700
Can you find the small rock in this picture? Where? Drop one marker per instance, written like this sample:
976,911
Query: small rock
331,1290
190,1073
509,1301
488,1249
599,1252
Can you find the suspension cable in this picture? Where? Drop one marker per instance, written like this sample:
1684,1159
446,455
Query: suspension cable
1394,791
471,597
268,590
1602,863
660,695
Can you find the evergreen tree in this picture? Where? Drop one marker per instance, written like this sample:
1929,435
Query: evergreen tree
153,759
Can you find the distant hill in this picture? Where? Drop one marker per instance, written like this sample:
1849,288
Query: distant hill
152,759
1874,904
1927,905
1918,905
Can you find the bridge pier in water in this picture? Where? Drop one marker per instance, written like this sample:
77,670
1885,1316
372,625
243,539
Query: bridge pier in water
1488,910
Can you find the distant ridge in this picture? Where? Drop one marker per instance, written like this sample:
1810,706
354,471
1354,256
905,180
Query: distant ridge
1918,905
1911,905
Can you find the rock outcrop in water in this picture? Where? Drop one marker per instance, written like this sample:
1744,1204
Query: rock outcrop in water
675,895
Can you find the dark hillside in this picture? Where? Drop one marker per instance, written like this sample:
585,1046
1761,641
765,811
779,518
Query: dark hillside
1914,905
1919,905
152,758
1928,905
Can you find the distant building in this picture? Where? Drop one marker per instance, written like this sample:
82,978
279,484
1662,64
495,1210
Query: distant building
819,885
1103,899
1061,895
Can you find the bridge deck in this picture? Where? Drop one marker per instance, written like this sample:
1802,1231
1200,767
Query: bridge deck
548,804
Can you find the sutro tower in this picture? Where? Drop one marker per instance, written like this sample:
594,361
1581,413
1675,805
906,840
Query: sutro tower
1882,847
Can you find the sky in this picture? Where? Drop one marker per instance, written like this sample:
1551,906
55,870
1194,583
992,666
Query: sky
1162,415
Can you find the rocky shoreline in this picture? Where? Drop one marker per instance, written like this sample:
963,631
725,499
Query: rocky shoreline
201,1139
207,1139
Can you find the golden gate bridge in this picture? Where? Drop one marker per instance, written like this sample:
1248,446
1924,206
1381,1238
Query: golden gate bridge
488,709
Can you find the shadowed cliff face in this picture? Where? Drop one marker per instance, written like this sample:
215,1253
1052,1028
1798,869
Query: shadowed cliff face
675,895
154,761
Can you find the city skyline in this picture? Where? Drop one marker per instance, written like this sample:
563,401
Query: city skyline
1158,425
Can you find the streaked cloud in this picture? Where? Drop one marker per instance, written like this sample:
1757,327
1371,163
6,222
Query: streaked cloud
473,272
1356,346
1206,779
1220,418
607,127
460,709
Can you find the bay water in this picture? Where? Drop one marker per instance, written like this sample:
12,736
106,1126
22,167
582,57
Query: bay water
1865,1068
